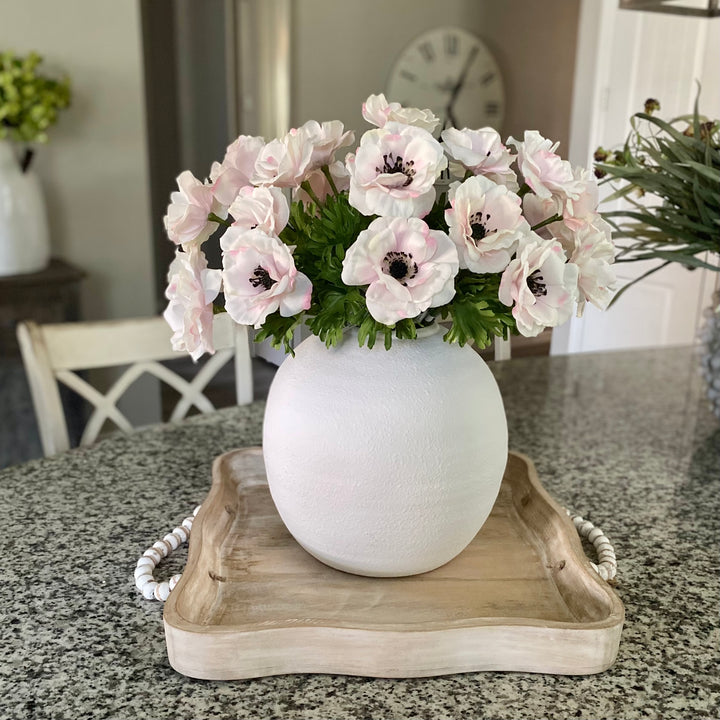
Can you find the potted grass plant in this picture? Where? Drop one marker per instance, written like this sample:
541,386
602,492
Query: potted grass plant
668,174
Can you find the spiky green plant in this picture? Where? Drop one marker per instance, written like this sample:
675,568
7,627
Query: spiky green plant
677,163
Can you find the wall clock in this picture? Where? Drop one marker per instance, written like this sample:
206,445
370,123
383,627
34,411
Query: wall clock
452,72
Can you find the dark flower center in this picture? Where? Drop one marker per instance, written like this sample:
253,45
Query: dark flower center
260,277
400,266
393,164
536,283
479,226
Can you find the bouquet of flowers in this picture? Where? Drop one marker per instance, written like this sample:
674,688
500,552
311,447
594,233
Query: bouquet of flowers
491,238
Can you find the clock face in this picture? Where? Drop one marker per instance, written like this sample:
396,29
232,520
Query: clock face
451,72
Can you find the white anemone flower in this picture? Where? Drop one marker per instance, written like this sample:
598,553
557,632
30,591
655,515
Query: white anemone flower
482,153
394,171
486,224
545,172
325,140
192,287
540,285
265,208
260,277
187,221
378,111
284,162
590,247
236,169
408,268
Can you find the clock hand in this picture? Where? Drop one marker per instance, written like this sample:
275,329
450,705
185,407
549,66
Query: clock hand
461,81
463,74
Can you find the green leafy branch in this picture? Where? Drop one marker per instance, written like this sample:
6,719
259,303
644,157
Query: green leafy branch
476,312
29,100
680,167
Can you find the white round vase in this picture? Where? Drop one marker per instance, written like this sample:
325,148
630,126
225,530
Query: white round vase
24,239
384,463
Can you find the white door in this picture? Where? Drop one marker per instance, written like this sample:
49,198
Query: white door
623,58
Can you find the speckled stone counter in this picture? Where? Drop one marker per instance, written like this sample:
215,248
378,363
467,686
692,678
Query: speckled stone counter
624,439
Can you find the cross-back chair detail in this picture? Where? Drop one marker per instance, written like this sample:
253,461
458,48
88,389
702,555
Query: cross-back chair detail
55,353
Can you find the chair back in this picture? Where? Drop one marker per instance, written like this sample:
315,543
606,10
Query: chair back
54,353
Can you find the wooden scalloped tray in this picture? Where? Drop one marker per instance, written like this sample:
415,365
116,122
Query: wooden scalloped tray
521,597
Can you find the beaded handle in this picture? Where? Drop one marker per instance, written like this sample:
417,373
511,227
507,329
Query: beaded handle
606,567
149,560
150,588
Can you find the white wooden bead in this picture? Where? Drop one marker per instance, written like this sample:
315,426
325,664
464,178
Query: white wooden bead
148,590
141,570
594,534
172,541
162,548
154,554
196,510
174,581
181,533
187,524
162,591
145,560
142,581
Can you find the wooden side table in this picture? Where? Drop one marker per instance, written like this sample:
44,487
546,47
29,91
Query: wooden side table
50,295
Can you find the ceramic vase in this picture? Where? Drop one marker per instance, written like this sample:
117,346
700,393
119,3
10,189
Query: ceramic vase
384,462
710,358
24,239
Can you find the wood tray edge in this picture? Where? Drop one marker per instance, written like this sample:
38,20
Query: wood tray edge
500,644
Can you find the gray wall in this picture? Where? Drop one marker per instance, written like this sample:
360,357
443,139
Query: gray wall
343,50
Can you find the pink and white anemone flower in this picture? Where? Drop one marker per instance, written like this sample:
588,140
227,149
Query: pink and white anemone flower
192,287
284,162
540,285
394,170
408,268
590,247
378,111
260,277
265,208
482,153
486,224
236,169
546,173
187,221
325,140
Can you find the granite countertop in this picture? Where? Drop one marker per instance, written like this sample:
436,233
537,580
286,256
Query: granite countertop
625,439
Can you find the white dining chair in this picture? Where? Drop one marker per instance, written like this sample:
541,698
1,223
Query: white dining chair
53,353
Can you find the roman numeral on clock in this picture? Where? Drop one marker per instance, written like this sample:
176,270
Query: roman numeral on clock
427,51
487,78
451,44
492,108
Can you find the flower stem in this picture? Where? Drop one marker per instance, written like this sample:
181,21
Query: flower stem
524,190
552,219
216,218
305,185
328,175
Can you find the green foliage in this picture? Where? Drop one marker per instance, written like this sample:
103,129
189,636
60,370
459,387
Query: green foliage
678,164
477,314
29,101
